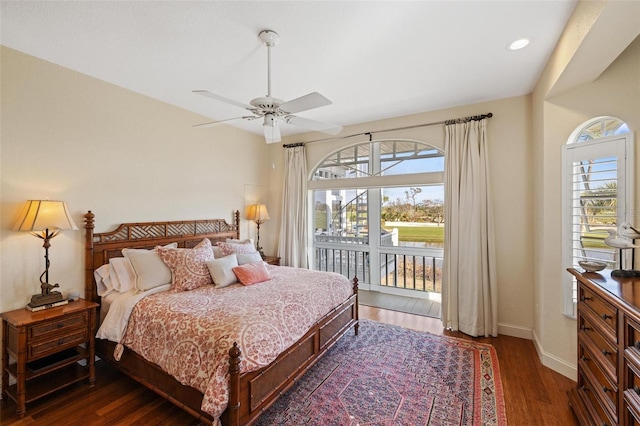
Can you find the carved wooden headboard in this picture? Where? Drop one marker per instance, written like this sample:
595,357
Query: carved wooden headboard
100,247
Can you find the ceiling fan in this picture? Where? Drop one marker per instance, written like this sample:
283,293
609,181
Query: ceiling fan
273,110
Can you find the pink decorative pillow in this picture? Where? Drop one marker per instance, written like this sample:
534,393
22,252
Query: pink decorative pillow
188,266
230,248
252,273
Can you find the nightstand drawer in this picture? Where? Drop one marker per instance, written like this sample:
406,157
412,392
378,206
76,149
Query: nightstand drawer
60,325
56,343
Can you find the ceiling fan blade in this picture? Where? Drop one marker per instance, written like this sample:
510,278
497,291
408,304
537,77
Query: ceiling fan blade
216,123
222,99
272,134
332,129
304,103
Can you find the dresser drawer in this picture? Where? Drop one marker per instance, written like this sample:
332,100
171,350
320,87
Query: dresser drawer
54,344
602,386
601,414
602,349
58,325
605,312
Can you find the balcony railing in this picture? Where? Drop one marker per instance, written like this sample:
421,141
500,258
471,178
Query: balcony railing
400,267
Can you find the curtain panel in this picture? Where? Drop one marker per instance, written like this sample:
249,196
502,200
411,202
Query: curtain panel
469,286
293,232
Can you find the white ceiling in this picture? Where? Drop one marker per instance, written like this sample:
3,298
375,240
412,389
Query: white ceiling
373,59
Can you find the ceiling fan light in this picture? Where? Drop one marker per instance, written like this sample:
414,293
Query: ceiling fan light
270,120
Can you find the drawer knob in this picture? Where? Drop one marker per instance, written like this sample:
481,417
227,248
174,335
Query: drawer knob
584,298
585,328
606,389
60,325
605,352
584,358
637,344
606,317
61,342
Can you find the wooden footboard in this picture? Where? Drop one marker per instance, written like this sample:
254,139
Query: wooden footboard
250,393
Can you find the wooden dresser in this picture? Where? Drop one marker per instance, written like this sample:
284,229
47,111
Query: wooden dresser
608,390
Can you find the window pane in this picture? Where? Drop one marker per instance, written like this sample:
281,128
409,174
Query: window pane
408,157
412,216
342,213
341,232
396,158
595,203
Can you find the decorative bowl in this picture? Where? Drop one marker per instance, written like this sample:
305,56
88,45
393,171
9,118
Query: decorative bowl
592,265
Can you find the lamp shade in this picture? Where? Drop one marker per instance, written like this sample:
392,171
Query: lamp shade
38,215
257,213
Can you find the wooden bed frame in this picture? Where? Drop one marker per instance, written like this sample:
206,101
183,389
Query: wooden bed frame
249,393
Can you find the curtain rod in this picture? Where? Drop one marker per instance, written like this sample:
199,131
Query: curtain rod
451,121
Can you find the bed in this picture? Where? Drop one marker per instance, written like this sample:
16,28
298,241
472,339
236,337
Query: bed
249,393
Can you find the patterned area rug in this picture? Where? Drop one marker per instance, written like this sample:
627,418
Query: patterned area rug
389,375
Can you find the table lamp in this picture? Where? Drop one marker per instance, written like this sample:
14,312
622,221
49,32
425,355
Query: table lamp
45,219
259,214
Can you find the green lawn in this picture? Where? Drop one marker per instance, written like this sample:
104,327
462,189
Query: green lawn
427,234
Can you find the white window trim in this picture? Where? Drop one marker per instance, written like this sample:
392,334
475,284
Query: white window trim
625,184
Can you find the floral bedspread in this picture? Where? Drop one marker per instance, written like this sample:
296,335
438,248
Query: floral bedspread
189,334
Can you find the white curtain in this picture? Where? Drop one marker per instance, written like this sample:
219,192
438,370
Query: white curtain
293,233
469,289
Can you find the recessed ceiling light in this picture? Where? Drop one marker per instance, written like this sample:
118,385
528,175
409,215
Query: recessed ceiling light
518,44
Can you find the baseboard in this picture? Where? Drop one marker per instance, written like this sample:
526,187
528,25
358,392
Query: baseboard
554,363
515,331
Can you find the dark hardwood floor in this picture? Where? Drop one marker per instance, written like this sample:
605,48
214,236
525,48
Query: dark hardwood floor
534,394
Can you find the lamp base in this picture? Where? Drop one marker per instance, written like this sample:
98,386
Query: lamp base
45,299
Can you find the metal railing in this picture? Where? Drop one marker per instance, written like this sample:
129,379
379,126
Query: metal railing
400,267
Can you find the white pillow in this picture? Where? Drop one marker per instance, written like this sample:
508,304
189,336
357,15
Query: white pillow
248,258
221,271
245,241
123,273
149,269
103,280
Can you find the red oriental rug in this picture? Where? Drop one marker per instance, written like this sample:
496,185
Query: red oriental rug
389,375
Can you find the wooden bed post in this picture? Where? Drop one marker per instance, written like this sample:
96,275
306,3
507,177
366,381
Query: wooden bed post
355,291
89,292
234,385
237,219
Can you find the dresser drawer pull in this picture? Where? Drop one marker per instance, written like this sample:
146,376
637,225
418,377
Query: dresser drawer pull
585,298
585,328
606,389
60,325
61,342
637,345
606,352
606,317
584,358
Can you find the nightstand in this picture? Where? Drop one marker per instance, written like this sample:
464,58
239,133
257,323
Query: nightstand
272,260
45,347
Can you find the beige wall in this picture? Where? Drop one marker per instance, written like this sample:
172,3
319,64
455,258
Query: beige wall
614,91
509,134
99,147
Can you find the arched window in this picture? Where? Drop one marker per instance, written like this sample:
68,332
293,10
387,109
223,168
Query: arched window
597,195
378,214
